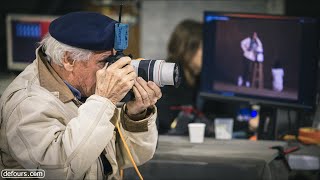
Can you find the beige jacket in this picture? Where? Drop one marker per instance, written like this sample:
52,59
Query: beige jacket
44,126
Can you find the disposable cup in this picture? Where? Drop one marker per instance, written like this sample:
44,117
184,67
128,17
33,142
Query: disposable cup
223,128
196,132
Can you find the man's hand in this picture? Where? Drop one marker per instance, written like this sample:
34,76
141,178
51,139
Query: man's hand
146,95
115,81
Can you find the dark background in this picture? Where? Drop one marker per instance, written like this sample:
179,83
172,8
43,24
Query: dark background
280,40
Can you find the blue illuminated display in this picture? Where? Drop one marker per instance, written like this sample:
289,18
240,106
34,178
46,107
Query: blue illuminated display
216,18
28,30
227,93
254,113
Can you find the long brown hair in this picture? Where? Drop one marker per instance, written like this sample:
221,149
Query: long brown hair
184,43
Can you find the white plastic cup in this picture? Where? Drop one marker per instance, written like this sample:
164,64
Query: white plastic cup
196,132
223,128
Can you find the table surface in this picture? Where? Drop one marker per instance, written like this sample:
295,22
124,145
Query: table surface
177,158
235,148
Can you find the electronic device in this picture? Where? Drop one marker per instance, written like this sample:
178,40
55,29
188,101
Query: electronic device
289,44
159,71
24,31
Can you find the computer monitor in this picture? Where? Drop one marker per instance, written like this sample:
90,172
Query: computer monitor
277,68
24,31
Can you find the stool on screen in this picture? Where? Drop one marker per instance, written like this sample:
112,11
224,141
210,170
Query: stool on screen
257,76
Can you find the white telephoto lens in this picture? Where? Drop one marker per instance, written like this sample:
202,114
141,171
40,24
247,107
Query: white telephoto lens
159,71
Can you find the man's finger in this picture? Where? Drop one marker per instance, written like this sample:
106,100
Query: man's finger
155,88
145,86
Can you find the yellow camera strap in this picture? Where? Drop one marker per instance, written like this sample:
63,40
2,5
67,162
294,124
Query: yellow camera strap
129,153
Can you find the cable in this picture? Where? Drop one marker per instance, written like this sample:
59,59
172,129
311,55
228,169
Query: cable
129,153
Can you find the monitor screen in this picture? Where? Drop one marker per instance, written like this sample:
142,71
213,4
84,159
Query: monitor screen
266,59
24,31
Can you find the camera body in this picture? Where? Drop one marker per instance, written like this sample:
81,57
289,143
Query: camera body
159,71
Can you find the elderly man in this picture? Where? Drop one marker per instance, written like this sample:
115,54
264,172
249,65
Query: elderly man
60,113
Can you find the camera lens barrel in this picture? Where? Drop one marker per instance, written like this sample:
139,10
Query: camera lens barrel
159,71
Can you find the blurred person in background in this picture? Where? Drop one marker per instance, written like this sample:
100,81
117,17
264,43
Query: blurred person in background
184,48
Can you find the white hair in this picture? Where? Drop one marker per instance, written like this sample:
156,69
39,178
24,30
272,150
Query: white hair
56,50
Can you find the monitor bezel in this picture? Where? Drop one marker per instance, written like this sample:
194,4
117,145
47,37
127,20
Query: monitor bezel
253,99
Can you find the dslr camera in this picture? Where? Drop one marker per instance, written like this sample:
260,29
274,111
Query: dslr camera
159,71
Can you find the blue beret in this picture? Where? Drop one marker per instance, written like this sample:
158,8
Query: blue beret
86,30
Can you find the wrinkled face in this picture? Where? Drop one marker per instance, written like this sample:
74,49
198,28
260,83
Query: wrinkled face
85,72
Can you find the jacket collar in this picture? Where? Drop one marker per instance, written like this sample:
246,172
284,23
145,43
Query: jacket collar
50,80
